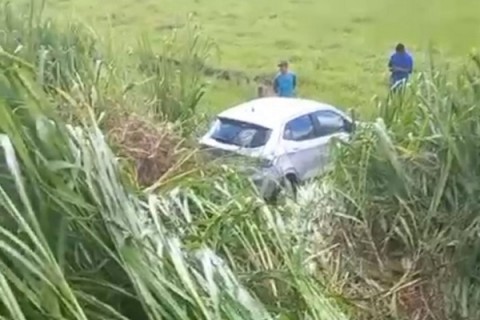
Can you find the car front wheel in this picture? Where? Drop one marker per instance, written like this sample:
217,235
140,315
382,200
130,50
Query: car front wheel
287,187
291,186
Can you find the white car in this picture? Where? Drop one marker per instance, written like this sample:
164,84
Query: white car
289,138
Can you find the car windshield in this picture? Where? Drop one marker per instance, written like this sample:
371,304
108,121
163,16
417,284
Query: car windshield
239,133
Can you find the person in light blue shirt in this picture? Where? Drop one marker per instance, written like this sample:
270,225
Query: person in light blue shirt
400,66
285,83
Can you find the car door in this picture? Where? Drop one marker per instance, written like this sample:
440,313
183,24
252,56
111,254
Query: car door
329,125
300,143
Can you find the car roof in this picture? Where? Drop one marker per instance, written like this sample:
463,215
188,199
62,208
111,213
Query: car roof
271,112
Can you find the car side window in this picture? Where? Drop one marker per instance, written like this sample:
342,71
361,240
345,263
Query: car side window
330,122
299,129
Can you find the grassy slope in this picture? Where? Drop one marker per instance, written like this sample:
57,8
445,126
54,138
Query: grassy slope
337,47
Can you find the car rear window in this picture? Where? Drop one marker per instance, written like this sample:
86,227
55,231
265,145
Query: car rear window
239,133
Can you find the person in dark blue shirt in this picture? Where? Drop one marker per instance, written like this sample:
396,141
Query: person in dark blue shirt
400,66
285,82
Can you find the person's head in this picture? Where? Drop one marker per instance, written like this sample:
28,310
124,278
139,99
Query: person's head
400,48
283,66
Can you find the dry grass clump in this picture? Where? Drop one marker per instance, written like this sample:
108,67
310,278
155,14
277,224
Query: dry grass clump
156,151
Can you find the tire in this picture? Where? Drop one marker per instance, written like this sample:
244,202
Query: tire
291,186
287,188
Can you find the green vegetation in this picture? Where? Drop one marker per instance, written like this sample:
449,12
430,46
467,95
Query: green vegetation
108,214
339,48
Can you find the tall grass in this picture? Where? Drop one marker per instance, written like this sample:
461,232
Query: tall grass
67,57
410,184
78,243
166,83
175,76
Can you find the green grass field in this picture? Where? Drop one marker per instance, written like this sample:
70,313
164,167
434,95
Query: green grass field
338,48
